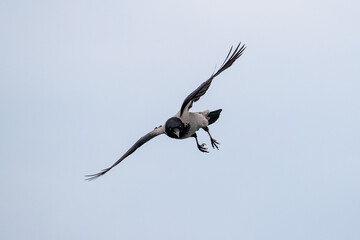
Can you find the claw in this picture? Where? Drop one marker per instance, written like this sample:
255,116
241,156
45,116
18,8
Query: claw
203,148
214,143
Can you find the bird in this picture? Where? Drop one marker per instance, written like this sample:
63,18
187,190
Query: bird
185,124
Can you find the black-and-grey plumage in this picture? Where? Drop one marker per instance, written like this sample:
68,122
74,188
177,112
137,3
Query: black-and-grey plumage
185,123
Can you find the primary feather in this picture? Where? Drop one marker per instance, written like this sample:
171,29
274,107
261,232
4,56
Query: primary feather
201,90
139,143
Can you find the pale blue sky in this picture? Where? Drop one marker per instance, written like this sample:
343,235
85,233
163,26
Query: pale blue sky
81,81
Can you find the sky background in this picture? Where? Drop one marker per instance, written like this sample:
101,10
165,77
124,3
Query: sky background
81,81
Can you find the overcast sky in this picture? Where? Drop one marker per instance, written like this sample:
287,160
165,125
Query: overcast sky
81,81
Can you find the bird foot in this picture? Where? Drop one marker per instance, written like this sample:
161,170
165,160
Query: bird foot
202,147
214,143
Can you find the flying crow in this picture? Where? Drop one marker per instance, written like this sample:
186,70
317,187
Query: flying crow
185,124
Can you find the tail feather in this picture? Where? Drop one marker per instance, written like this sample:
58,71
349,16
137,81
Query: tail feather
213,116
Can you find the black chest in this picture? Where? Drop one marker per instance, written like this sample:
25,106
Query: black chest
184,130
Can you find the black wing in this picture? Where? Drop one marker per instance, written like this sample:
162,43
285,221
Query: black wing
201,90
139,143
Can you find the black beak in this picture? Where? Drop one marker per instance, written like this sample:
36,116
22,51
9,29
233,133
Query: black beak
177,132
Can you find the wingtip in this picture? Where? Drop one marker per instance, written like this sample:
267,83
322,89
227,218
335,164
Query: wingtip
92,177
231,58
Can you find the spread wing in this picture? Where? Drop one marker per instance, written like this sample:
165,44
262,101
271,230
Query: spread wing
139,143
201,90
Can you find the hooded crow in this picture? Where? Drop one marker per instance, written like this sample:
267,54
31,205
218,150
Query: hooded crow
185,124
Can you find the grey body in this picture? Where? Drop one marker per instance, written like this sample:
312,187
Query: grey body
185,124
194,120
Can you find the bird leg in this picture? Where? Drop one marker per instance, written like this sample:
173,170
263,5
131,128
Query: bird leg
213,141
202,146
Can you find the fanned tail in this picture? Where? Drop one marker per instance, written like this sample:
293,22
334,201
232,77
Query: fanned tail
213,116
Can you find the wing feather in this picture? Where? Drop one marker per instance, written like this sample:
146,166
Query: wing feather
201,90
139,143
